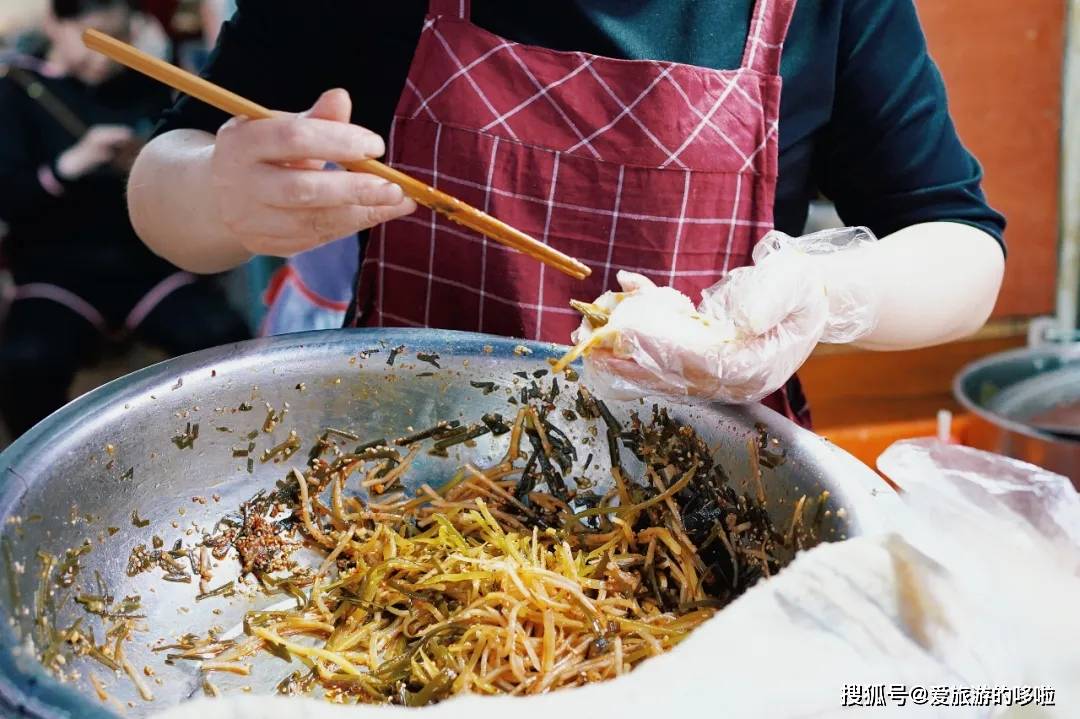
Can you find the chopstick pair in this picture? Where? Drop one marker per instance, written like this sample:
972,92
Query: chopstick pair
451,207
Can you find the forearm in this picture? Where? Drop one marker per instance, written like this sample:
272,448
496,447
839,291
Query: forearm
173,208
933,283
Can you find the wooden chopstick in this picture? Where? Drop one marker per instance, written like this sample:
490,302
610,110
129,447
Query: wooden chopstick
454,209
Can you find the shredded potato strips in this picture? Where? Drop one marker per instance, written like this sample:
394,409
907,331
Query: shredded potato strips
507,578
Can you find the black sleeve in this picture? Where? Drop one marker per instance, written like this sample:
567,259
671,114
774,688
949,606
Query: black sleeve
280,53
22,194
891,156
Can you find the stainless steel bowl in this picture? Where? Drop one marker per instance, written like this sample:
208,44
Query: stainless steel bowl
87,467
1006,391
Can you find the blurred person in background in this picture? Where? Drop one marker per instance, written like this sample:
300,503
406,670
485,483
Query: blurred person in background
70,124
214,14
18,17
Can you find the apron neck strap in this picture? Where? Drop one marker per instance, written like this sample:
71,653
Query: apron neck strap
451,8
768,29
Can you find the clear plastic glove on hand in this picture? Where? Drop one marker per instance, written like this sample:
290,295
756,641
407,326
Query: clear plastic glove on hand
750,333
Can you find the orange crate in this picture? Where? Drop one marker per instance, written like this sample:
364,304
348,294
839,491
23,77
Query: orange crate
867,442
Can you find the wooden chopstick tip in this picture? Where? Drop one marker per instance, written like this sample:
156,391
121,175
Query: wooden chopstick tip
91,37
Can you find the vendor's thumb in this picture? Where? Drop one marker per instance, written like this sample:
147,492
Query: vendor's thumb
333,105
634,282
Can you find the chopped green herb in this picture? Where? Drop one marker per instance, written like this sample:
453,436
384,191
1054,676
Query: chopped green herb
432,358
12,575
394,353
222,591
186,439
342,433
439,430
495,423
456,438
371,445
488,387
283,450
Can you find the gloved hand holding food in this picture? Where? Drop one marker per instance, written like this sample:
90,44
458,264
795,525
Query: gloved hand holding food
749,334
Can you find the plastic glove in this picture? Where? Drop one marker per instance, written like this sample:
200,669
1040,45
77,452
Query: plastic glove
748,336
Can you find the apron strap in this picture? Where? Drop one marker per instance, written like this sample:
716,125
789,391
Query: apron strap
65,297
768,29
451,8
154,297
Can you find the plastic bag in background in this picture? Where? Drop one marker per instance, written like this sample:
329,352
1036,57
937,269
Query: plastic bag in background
1005,538
979,486
966,608
750,332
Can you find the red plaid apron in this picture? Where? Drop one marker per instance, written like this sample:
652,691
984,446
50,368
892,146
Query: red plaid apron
660,168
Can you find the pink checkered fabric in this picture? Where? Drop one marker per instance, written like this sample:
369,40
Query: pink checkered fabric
655,167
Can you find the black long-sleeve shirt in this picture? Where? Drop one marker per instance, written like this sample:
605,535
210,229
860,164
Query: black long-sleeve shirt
864,117
61,230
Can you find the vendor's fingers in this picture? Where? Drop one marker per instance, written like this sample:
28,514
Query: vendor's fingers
758,298
286,188
634,282
627,369
302,164
322,225
627,378
762,364
291,138
327,224
332,105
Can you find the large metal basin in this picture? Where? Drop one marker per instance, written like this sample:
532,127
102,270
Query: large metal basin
61,485
1006,392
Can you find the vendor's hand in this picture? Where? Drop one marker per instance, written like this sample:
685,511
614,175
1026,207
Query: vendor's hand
99,146
780,310
653,341
772,316
756,327
272,192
